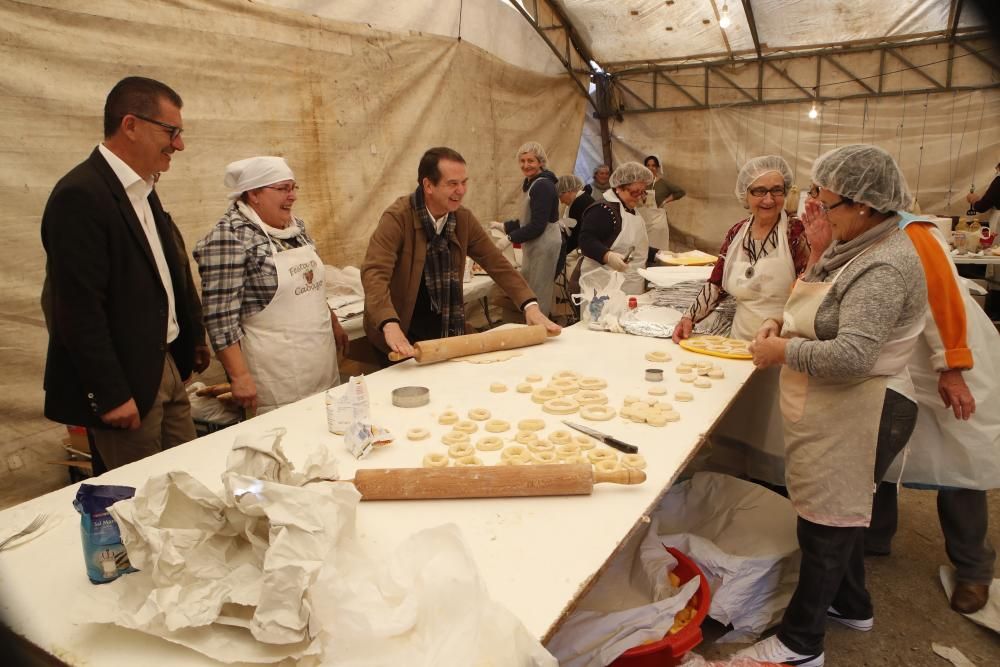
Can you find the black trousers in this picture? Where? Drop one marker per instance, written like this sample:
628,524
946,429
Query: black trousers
833,564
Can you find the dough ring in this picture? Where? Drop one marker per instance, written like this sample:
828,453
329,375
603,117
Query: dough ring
516,461
496,426
435,460
634,461
455,438
591,397
524,388
489,443
533,378
546,394
541,446
584,441
565,385
546,457
467,426
530,425
688,377
497,387
607,465
597,413
657,390
597,455
697,342
703,383
560,406
461,449
567,450
515,450
417,434
658,356
525,437
592,383
448,417
470,460
478,414
561,437
566,375
656,419
683,396
716,374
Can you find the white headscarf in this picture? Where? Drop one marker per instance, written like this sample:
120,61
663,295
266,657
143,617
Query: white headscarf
255,172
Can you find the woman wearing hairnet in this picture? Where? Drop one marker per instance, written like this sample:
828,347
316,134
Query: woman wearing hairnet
536,229
613,235
850,324
263,291
760,256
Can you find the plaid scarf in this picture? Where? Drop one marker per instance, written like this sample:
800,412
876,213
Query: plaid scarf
444,284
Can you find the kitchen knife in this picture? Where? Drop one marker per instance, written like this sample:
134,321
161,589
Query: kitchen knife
608,440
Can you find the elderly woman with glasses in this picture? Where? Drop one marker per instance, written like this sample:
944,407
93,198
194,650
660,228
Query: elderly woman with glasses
263,292
760,255
842,342
612,234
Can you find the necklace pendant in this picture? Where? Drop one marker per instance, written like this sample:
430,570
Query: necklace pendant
748,273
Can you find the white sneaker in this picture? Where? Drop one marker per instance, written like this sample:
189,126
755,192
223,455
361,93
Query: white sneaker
772,650
859,624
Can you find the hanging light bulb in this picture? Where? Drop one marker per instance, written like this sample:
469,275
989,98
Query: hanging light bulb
814,113
724,21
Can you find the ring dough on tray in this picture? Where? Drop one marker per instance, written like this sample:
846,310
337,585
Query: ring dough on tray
658,356
657,390
525,437
570,375
592,383
448,417
546,394
585,441
596,455
479,414
688,377
561,437
496,426
560,406
716,374
435,460
634,461
656,418
533,378
489,443
541,446
454,437
683,369
608,465
565,386
467,426
471,460
703,383
597,413
524,388
683,396
530,425
569,449
460,449
591,397
417,434
497,387
546,457
515,450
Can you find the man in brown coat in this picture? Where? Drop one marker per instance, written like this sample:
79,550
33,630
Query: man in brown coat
413,270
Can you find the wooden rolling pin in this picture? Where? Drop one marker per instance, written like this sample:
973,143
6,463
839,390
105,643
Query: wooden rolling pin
441,349
486,481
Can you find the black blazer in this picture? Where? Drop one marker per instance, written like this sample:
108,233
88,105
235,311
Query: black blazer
108,305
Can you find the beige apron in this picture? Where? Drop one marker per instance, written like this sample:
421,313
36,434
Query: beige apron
831,427
539,256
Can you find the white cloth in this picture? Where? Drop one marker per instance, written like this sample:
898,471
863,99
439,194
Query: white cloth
760,289
255,172
289,345
284,233
138,192
632,235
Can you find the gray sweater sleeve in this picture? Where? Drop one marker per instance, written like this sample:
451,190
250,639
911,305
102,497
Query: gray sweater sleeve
868,309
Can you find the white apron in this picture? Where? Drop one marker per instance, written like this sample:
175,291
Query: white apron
539,256
632,235
289,345
762,289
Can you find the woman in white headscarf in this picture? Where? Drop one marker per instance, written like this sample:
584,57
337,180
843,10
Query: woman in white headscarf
263,292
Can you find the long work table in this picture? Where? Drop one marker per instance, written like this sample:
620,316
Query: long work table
537,555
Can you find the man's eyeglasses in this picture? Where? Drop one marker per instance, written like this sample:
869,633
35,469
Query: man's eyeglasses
776,192
173,129
287,188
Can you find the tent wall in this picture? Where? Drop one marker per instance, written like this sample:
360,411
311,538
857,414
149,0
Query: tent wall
352,108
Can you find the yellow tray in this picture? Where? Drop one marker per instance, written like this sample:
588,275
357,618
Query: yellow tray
701,345
690,261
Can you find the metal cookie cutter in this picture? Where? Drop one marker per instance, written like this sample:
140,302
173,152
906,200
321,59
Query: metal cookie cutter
411,397
654,375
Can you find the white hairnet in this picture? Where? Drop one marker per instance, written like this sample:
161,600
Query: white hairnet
255,172
865,174
756,167
631,172
535,149
568,183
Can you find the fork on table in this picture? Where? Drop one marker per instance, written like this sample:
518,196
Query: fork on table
35,524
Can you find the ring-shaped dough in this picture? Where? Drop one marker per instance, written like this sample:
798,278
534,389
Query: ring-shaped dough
561,437
716,374
454,437
656,390
656,419
489,443
584,441
525,437
468,426
460,449
435,460
597,413
478,414
658,356
688,377
634,461
470,460
591,397
546,457
516,461
530,425
566,375
417,434
565,385
592,383
703,383
560,406
496,426
546,394
683,396
533,378
608,465
448,417
497,387
683,369
541,446
568,449
596,455
524,388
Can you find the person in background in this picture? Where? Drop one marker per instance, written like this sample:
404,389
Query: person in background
263,285
577,198
412,271
613,235
849,325
982,204
536,229
601,182
664,190
121,340
760,255
989,199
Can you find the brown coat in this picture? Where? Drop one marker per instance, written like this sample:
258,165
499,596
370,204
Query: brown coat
394,264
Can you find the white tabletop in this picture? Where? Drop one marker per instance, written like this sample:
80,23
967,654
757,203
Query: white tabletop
536,555
975,259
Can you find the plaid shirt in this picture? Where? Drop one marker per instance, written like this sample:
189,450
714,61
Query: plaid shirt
238,277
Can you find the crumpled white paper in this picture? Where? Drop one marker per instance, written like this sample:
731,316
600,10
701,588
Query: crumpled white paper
952,655
988,616
218,571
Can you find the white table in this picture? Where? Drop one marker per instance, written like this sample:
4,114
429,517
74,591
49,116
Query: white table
536,555
976,259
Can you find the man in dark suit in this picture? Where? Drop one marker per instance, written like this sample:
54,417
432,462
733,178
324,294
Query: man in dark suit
123,335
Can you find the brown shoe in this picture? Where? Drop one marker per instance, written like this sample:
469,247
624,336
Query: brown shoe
969,598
